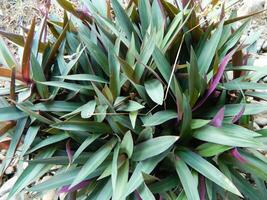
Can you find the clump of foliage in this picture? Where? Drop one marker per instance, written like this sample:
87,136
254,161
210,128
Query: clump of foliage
150,101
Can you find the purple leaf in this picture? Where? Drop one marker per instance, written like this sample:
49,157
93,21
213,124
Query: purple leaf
69,152
237,117
137,195
236,154
218,118
185,2
83,11
66,189
202,188
216,79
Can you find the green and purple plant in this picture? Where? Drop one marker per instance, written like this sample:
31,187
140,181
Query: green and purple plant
147,101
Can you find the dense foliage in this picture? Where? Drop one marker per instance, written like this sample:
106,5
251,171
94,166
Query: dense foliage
150,101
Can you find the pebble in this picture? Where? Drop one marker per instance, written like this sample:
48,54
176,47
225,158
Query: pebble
260,43
50,195
2,157
251,6
3,151
9,170
264,46
256,126
7,186
260,120
261,61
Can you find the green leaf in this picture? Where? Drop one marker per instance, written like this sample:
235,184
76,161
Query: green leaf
84,77
159,18
56,106
144,9
142,167
211,149
122,19
133,117
54,49
16,136
34,114
31,173
38,76
198,123
233,39
230,135
159,118
90,126
50,140
84,145
94,161
97,53
121,181
145,193
153,147
6,56
240,85
128,70
64,178
210,47
130,106
18,39
127,144
186,132
165,70
30,136
155,90
232,109
186,179
114,167
11,113
26,58
69,86
208,170
88,109
114,68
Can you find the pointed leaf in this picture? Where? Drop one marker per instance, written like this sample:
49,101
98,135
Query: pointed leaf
159,118
153,147
155,90
88,109
26,59
208,170
94,161
186,179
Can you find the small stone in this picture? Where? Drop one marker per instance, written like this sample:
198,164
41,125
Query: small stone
9,170
2,157
3,151
7,186
259,44
50,195
261,61
264,46
261,121
256,126
251,6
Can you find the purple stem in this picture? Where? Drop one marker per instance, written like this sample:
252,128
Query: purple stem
69,152
202,187
236,154
66,189
218,118
216,79
237,117
137,195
